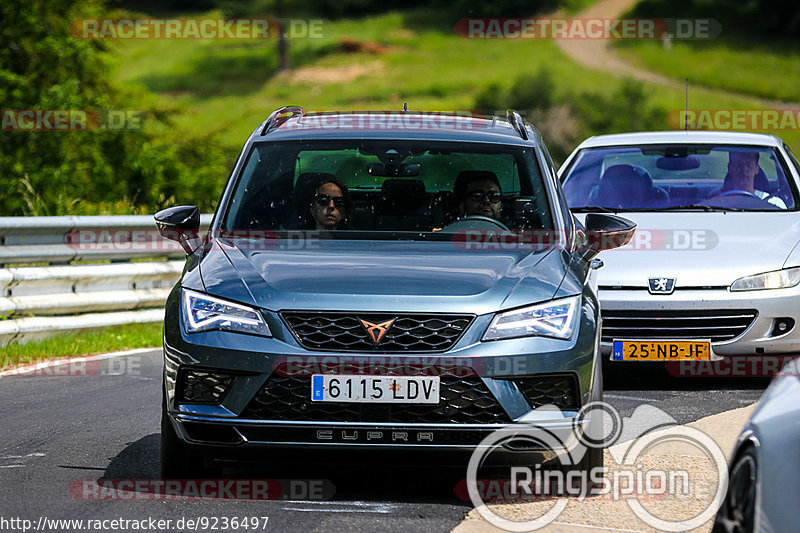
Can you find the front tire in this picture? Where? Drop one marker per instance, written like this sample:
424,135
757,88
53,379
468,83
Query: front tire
178,461
738,511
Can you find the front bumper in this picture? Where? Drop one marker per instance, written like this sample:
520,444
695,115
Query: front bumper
236,421
758,338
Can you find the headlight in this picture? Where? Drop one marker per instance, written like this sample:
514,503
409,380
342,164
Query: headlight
203,313
552,319
779,279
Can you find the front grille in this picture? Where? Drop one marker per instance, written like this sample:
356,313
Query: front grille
717,325
343,332
201,386
463,400
560,390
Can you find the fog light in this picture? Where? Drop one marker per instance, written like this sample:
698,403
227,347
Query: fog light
782,326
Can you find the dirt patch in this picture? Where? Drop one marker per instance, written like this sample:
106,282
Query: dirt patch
328,75
348,45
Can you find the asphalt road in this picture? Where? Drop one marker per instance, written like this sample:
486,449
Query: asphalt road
103,424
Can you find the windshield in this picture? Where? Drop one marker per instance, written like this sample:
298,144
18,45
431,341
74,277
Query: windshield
675,177
389,187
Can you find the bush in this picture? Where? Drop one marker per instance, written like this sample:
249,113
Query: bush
42,67
566,119
771,19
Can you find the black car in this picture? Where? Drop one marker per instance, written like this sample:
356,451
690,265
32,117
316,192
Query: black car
392,282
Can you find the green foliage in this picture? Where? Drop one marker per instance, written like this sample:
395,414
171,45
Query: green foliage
627,109
765,70
117,338
770,19
496,8
533,91
566,119
43,67
202,98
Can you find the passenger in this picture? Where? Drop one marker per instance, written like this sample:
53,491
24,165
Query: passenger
478,193
742,171
332,207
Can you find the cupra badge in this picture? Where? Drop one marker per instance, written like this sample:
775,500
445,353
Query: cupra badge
376,331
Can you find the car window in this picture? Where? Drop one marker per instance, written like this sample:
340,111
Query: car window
392,186
792,158
655,177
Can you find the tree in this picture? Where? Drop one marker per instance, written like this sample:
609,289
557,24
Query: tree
43,67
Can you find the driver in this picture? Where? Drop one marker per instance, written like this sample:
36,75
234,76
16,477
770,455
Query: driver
742,170
478,193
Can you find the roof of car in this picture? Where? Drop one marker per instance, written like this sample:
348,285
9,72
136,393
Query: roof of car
398,124
679,136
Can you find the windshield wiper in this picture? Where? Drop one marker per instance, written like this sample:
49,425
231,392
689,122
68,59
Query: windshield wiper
701,207
587,208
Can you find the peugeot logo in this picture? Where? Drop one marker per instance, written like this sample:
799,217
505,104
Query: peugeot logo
376,332
661,285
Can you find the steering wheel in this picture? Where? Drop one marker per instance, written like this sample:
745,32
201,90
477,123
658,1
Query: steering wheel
738,192
474,222
739,199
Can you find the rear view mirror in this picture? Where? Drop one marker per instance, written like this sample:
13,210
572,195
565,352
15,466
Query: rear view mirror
404,170
181,224
678,163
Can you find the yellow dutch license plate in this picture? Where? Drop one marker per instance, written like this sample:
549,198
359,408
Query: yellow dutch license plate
625,350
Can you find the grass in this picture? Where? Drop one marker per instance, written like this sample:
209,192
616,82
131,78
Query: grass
748,68
124,337
228,87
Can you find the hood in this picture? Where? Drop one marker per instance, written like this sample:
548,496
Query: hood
378,276
700,249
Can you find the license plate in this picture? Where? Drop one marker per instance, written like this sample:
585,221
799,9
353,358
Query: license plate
625,350
374,389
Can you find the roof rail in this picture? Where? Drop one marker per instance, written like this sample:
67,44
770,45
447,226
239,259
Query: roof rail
279,116
516,121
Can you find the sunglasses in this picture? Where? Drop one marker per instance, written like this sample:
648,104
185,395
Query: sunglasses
323,200
478,196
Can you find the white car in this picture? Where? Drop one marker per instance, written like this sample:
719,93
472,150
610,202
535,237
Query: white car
714,267
762,479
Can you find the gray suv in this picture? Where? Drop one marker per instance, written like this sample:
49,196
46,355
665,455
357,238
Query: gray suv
393,282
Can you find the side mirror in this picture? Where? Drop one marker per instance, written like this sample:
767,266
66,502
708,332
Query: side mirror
181,224
605,232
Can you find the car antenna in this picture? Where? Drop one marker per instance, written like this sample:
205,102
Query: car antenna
686,120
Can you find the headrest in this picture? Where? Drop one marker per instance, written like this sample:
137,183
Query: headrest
625,186
403,193
310,180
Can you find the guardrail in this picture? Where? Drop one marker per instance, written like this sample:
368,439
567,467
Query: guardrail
42,291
